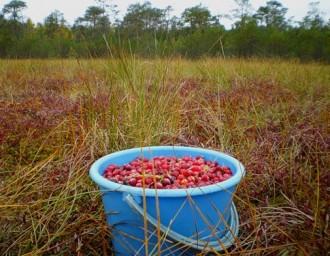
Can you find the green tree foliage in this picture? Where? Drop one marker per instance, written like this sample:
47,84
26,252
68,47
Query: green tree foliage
197,17
94,16
272,29
143,17
242,13
152,32
312,38
54,22
6,38
272,15
144,29
313,19
14,8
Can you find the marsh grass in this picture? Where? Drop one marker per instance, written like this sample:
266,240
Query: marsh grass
58,116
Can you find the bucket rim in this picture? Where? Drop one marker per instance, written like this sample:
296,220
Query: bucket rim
110,186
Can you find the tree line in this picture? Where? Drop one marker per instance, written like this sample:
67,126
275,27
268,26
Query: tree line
149,31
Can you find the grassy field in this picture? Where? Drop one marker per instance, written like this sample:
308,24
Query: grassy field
58,116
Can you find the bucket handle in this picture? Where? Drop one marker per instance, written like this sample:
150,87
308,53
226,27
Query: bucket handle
224,242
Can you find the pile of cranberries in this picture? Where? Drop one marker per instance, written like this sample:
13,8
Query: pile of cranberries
168,172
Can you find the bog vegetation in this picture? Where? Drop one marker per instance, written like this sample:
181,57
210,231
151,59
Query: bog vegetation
148,31
57,117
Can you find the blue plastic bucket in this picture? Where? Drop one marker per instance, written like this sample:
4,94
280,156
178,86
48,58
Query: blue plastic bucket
172,221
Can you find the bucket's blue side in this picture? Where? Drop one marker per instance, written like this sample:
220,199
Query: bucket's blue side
197,218
199,214
125,224
204,212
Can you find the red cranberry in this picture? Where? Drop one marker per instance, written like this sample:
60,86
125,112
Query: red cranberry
168,172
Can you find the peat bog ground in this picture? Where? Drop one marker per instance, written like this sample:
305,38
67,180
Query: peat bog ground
58,116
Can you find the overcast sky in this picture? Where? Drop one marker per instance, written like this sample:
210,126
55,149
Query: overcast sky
38,9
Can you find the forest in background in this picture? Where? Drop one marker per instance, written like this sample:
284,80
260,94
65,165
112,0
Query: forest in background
147,31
